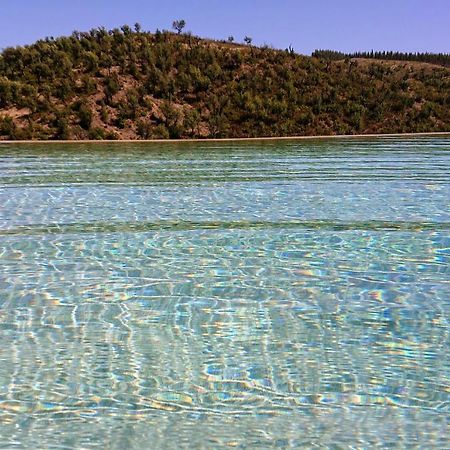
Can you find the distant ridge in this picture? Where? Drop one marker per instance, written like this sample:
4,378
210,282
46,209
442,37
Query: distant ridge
128,84
441,59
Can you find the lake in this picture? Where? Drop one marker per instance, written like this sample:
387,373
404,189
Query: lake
279,294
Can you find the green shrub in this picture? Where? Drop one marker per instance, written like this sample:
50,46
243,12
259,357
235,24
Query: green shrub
96,134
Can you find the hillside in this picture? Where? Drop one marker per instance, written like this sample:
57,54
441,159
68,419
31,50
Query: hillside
129,84
440,59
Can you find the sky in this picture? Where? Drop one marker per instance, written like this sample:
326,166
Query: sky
306,25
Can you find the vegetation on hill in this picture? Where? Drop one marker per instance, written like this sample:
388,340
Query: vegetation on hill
129,84
442,59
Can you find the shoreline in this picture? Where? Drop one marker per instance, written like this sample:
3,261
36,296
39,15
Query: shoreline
245,139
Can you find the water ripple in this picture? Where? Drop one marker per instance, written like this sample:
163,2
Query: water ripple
254,295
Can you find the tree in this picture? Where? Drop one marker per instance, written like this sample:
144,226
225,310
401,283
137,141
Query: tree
161,132
191,121
7,127
85,116
62,127
172,119
137,27
144,129
42,70
178,25
248,40
230,39
111,87
6,92
91,61
126,30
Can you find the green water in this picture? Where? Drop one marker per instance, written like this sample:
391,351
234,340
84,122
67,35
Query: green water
263,295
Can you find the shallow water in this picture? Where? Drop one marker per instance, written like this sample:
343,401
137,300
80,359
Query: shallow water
259,295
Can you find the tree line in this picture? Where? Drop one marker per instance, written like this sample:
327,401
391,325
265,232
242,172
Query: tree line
442,59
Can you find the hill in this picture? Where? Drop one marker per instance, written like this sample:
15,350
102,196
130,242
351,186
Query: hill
129,84
441,59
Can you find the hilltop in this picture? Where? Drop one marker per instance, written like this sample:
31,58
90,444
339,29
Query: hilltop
129,84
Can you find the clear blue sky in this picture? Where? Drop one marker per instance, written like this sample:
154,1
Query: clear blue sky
346,25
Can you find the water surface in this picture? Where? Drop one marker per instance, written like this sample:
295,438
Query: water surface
252,295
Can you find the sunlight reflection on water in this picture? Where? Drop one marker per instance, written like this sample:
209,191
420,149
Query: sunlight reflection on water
272,295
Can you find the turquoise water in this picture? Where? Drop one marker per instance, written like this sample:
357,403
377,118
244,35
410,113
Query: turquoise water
259,295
